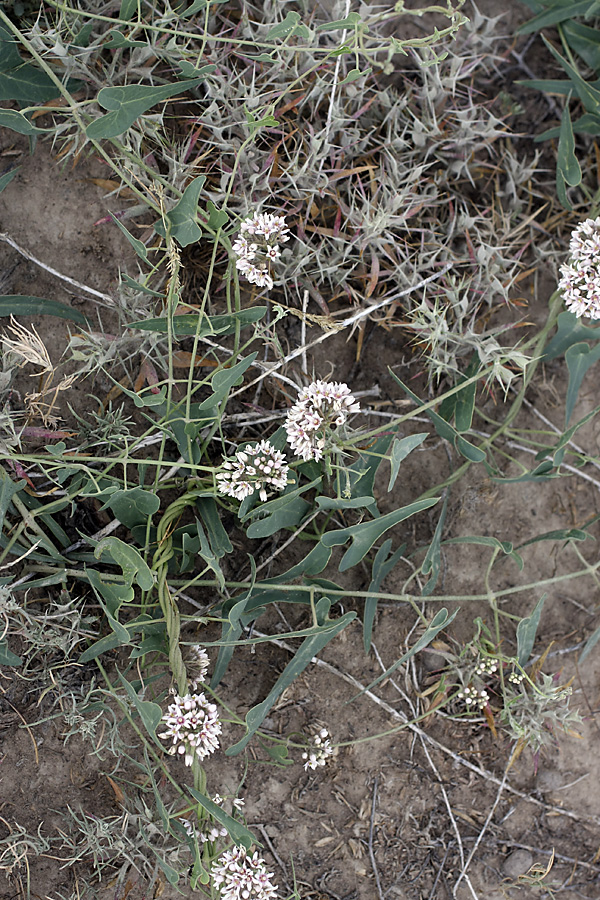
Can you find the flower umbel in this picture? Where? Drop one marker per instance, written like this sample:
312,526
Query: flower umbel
321,407
320,751
580,277
254,256
255,468
239,876
192,723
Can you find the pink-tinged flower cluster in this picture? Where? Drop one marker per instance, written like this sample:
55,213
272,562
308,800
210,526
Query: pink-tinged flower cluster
321,407
192,724
255,468
580,277
257,246
239,876
198,665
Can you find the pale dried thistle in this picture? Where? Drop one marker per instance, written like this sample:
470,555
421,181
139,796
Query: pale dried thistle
39,406
29,346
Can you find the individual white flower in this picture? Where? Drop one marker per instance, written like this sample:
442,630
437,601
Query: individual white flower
239,876
320,407
580,277
319,752
192,723
255,468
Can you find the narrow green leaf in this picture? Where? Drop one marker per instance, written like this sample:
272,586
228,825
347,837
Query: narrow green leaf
526,632
487,541
359,478
16,121
187,325
182,218
400,450
585,41
555,15
20,305
128,558
128,10
109,642
8,177
340,503
570,330
118,41
566,160
355,74
432,561
217,218
22,81
561,534
465,399
218,537
589,96
364,535
7,657
310,648
290,516
590,644
439,621
350,21
565,438
382,566
208,556
444,429
138,246
285,28
127,103
8,489
579,359
237,832
137,286
150,713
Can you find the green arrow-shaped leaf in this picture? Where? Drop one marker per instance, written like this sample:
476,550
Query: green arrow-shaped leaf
129,102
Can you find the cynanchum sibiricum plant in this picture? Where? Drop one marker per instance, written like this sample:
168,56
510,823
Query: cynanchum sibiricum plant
255,468
192,723
313,420
237,875
256,247
580,277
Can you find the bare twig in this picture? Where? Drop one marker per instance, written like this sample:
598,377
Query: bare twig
371,852
82,287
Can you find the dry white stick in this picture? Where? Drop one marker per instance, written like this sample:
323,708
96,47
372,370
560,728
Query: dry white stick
361,314
55,272
303,332
463,873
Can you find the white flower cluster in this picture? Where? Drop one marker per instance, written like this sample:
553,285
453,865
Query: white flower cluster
192,724
320,752
320,407
198,664
213,830
238,876
473,697
580,277
257,246
516,677
256,467
487,666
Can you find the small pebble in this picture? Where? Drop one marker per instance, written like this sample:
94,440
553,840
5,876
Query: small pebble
518,863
